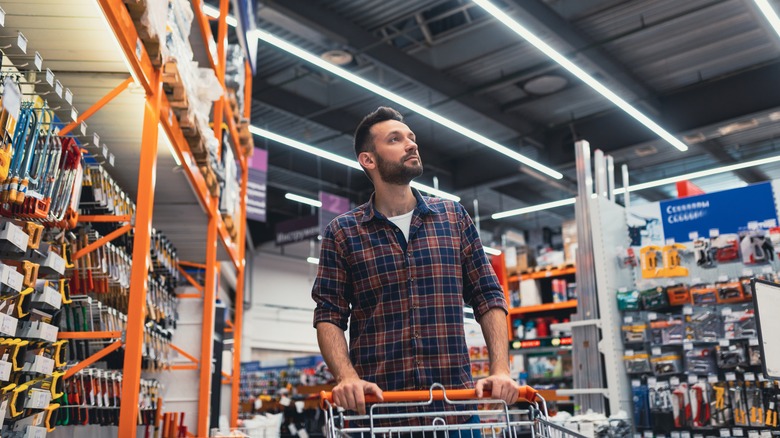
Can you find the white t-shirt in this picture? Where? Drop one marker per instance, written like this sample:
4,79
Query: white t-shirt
404,222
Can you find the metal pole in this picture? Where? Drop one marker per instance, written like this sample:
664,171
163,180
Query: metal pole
626,194
586,357
207,329
610,178
238,325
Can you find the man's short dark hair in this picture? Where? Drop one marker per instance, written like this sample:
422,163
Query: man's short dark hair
364,141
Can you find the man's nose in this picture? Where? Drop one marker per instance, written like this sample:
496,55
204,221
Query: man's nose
411,145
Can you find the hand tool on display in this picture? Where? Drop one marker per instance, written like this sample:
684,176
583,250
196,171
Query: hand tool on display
671,262
649,259
681,409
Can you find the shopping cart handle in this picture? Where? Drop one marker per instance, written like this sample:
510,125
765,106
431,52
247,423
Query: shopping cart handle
525,393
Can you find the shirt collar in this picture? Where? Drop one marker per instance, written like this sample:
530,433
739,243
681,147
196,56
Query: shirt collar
370,212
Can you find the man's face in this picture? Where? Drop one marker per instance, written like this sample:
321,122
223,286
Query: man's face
397,158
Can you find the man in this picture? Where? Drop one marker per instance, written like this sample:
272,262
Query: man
399,269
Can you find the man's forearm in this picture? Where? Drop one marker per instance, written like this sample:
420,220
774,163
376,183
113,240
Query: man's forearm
494,330
333,346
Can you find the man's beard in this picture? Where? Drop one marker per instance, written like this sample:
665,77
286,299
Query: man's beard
398,173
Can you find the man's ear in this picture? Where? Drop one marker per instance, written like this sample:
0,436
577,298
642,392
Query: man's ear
366,159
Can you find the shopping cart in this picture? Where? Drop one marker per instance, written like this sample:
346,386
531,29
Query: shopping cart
496,418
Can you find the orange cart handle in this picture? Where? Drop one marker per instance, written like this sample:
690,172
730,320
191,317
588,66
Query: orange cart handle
525,392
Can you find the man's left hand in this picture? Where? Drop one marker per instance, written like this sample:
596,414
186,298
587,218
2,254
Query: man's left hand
501,387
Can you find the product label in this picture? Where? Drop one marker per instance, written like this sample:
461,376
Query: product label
69,96
38,61
83,129
50,77
12,98
21,41
58,88
74,115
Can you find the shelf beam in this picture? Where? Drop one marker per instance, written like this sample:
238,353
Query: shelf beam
238,326
192,358
105,218
92,359
136,312
102,241
207,328
96,107
571,304
189,278
127,36
89,335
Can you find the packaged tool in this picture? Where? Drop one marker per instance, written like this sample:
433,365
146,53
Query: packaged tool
700,361
702,325
666,363
654,299
637,362
668,330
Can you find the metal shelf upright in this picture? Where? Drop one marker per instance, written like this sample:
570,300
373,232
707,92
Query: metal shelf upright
157,111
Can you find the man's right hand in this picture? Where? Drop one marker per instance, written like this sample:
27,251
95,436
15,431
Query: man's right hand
350,394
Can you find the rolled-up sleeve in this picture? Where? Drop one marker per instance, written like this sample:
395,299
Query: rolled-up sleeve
481,289
332,286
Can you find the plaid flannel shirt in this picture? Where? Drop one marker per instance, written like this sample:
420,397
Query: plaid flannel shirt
404,300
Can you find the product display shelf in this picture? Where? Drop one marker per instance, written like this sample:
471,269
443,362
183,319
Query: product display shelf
157,113
547,273
524,310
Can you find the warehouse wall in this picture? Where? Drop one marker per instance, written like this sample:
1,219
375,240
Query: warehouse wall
280,319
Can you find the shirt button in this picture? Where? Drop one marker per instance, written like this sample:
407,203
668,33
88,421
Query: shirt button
416,334
419,363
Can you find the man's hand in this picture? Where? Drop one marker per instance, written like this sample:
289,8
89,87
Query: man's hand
350,394
501,387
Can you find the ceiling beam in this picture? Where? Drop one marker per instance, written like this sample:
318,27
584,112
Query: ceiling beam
391,57
750,175
588,50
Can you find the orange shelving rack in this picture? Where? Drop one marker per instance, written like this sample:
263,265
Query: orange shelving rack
157,112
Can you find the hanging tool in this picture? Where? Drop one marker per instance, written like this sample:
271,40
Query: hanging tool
649,257
671,260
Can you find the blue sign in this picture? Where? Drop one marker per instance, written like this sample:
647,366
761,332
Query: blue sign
281,364
729,211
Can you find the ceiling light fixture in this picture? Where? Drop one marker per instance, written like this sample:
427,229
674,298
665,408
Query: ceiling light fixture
213,12
643,186
313,260
303,200
492,251
339,159
389,95
770,14
580,73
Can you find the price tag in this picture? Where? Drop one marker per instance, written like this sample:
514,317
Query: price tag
669,242
723,278
696,280
712,378
737,432
285,401
714,232
747,272
105,151
652,316
687,345
770,223
58,88
725,433
766,270
69,96
38,61
635,383
652,381
138,49
656,351
258,404
111,159
685,434
723,342
628,319
750,377
693,235
83,128
687,310
629,353
761,378
731,377
674,381
12,98
2,17
692,380
752,225
50,77
74,114
766,434
622,289
725,311
753,342
21,41
675,434
5,370
96,139
649,434
753,434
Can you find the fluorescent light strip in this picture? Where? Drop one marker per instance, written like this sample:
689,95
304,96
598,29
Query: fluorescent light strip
580,73
339,159
642,186
313,260
533,208
770,14
491,250
421,110
213,12
303,200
